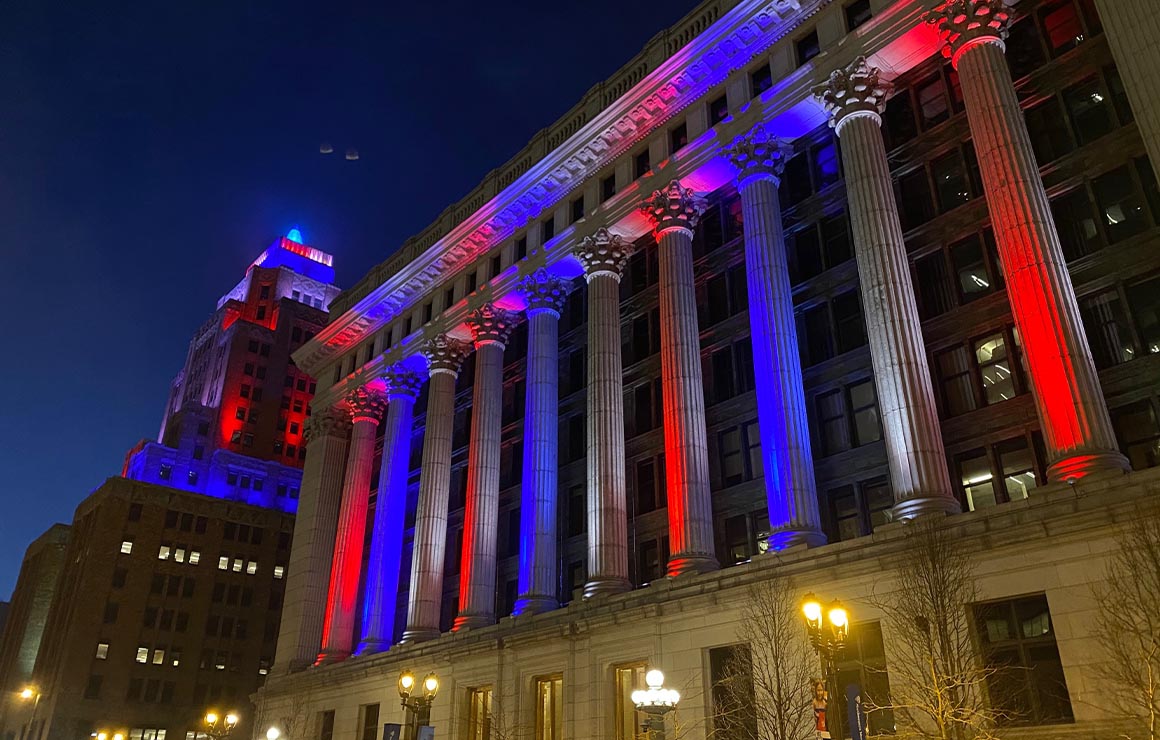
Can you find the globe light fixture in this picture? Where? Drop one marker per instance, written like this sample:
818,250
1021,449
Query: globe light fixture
219,727
273,733
828,630
654,703
417,709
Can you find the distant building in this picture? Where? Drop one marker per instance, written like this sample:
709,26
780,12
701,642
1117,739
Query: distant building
171,595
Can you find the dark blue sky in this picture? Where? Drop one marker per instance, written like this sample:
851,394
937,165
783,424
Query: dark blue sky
149,151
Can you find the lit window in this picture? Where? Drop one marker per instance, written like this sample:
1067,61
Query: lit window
179,554
251,567
279,571
237,565
549,708
223,563
127,546
163,553
102,650
142,654
158,656
194,557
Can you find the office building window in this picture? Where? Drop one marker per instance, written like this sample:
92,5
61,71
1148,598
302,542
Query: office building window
1138,432
549,708
479,713
127,547
629,678
863,663
733,701
857,509
102,651
326,725
370,722
1005,471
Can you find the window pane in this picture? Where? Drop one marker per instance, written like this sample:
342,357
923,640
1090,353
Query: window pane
1138,433
1024,52
816,335
845,508
932,102
898,122
994,368
1078,234
848,319
732,464
1121,205
1108,329
826,166
1018,466
1048,129
950,182
977,479
836,240
804,254
1088,110
1144,302
914,199
864,408
795,181
954,371
934,291
879,500
971,269
832,423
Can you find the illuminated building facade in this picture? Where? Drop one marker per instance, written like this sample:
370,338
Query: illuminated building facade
172,576
802,271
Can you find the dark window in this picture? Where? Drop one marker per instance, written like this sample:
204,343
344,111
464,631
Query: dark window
650,487
119,575
826,167
833,431
734,714
577,511
547,230
795,181
933,105
815,336
1090,114
718,110
864,413
807,47
1138,432
370,722
1108,329
1079,233
836,243
577,211
93,687
933,285
803,250
1120,203
857,13
1024,51
914,199
641,164
1144,303
326,725
898,121
521,252
652,559
678,138
134,514
950,181
761,79
851,331
1018,641
111,608
608,187
472,281
954,373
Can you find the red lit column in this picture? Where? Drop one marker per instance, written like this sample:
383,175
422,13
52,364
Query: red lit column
674,212
603,257
855,98
365,408
787,462
1072,412
381,592
545,295
490,327
444,357
312,551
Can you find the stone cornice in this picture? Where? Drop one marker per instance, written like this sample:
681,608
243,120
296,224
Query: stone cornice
729,44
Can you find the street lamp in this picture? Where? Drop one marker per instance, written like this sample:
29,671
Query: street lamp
219,727
273,733
828,630
417,709
30,693
655,702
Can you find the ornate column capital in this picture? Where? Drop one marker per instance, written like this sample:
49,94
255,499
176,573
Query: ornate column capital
852,92
324,423
603,253
402,382
543,291
365,405
490,324
963,23
444,354
674,207
758,155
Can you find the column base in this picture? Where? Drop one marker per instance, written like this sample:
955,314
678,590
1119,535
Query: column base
1074,467
534,605
370,647
786,538
680,565
605,587
419,634
327,657
912,508
472,621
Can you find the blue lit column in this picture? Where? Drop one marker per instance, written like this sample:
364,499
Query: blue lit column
781,403
381,591
444,357
539,488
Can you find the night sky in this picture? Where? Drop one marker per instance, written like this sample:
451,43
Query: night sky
150,150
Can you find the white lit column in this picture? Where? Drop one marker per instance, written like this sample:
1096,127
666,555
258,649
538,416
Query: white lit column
603,256
855,98
444,358
381,592
365,408
545,295
490,327
312,550
1133,31
786,459
674,212
1076,426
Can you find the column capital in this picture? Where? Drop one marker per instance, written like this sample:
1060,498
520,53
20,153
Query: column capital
673,207
490,324
962,24
325,422
402,382
543,292
758,155
364,404
854,91
444,354
603,253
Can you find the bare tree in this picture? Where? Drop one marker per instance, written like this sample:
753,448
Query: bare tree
766,692
1128,624
938,681
292,719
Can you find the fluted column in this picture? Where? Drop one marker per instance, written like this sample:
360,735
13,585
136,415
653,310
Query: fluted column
1133,31
381,592
603,257
781,402
444,357
365,408
1077,428
545,295
674,212
312,551
855,98
490,327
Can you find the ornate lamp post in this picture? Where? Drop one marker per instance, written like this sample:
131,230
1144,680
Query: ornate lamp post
418,708
31,693
655,702
219,727
828,630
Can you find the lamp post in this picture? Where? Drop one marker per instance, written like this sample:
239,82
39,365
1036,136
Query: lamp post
273,733
417,708
828,630
655,702
219,727
30,693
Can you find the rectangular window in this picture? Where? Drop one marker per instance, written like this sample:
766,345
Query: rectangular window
991,355
1047,127
325,725
1018,643
547,230
1108,329
718,110
807,47
478,713
857,13
370,722
734,712
607,187
629,678
1079,232
933,106
950,181
1120,203
549,708
1138,432
1089,110
678,138
832,430
576,209
142,654
761,79
1061,26
1144,303
102,651
864,412
863,663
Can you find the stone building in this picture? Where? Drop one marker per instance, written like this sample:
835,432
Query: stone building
800,272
